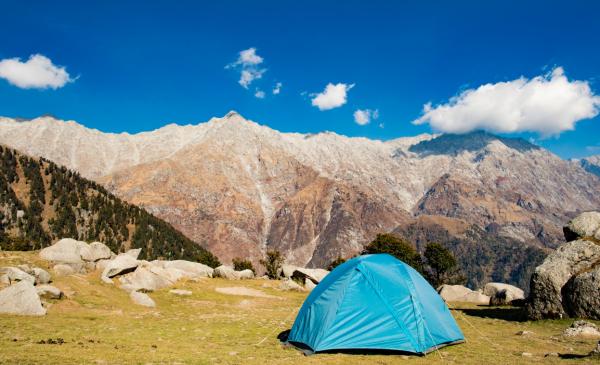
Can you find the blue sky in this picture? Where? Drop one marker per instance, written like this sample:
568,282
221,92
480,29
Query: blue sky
136,66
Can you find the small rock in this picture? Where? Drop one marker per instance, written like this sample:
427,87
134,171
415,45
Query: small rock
180,292
582,328
142,299
524,333
48,292
527,354
551,354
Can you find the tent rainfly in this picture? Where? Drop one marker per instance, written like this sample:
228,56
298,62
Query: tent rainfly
374,302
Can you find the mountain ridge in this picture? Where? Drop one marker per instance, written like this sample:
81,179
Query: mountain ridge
241,188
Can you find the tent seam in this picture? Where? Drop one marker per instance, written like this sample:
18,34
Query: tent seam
391,311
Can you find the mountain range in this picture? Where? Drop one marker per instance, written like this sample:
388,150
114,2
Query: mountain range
240,188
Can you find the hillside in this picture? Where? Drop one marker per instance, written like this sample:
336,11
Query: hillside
42,202
240,189
99,325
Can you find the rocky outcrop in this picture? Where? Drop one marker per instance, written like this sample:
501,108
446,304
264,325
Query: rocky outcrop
148,277
459,293
566,284
21,298
503,294
71,256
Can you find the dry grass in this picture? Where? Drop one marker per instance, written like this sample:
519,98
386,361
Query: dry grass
100,325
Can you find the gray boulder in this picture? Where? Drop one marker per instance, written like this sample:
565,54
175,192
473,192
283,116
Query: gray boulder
142,299
134,252
21,298
315,275
12,275
581,295
459,293
147,278
584,225
290,285
192,270
309,285
503,294
63,270
41,276
571,259
583,329
245,274
65,251
96,251
48,292
121,264
227,272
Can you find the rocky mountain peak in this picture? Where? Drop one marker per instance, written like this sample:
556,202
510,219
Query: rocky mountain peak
455,144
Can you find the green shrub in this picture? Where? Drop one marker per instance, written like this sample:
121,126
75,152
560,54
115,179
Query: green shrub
397,247
272,263
240,264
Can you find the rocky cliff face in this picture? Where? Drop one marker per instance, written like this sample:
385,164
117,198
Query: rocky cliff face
591,164
240,188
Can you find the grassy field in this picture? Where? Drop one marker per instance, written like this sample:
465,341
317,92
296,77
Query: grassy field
99,325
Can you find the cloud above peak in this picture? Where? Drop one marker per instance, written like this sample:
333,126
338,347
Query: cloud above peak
38,72
247,63
332,97
547,104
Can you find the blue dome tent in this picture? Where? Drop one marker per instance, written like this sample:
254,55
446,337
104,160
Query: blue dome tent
374,302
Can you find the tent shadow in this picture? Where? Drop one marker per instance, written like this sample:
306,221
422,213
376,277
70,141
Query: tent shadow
513,314
283,336
573,356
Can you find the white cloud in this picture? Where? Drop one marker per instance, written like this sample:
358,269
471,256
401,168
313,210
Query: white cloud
247,63
249,57
364,116
332,97
38,72
249,75
548,104
259,94
277,88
